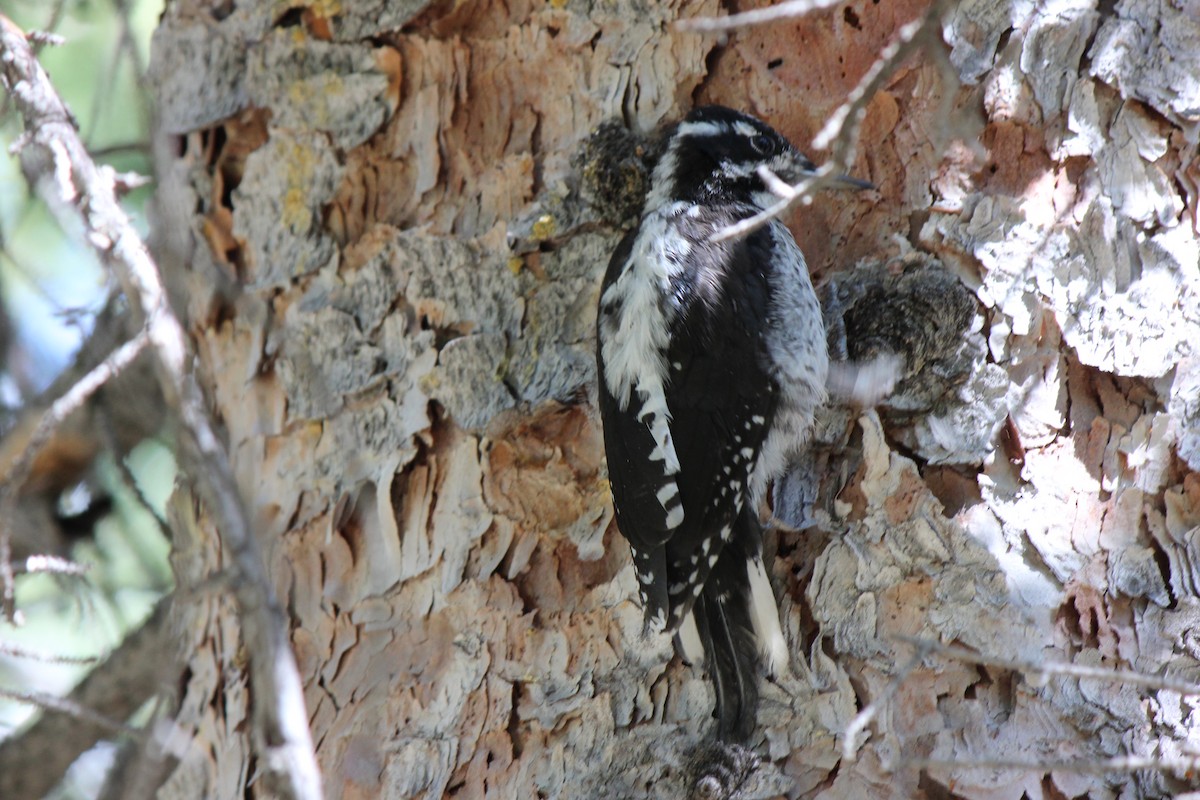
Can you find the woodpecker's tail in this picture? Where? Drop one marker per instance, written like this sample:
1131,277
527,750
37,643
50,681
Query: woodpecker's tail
726,616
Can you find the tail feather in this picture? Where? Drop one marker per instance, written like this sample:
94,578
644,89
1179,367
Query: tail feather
726,628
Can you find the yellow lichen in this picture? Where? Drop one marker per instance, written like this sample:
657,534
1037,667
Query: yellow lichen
544,228
297,212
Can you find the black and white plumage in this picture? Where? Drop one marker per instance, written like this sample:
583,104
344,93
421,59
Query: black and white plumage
712,360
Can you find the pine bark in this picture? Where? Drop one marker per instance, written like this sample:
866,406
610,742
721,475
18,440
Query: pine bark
388,254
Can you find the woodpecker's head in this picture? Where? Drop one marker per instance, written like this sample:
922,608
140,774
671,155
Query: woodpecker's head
714,154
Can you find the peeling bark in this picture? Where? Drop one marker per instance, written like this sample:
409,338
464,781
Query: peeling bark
397,247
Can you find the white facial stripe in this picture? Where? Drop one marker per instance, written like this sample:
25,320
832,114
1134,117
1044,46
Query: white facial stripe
702,128
745,128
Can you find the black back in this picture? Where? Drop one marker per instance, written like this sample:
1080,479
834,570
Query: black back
720,384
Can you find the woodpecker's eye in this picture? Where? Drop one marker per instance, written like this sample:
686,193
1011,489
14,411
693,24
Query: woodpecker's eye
763,145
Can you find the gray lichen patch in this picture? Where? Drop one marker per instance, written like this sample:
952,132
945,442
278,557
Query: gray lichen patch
501,339
325,358
278,207
554,358
198,72
422,312
313,85
470,379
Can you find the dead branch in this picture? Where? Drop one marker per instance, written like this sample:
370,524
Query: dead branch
1099,766
56,162
759,16
18,470
842,130
850,739
16,651
62,705
33,761
1047,668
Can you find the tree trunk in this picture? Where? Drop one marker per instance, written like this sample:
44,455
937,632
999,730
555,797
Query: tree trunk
397,232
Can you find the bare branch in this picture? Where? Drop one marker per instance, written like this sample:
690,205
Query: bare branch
850,739
843,127
797,192
759,16
45,39
1181,764
51,564
778,186
33,760
16,651
56,162
907,40
1125,676
18,470
61,705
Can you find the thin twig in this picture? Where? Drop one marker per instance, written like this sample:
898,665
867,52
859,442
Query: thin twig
1082,766
842,129
61,705
146,662
796,192
51,564
759,16
109,437
16,651
18,471
38,38
57,163
1125,676
777,185
862,719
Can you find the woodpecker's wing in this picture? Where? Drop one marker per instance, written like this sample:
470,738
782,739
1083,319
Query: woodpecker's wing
640,478
721,400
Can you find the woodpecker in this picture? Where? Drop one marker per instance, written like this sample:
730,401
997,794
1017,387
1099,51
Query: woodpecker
711,359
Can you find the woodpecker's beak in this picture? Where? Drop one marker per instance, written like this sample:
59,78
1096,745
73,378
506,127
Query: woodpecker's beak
844,182
796,167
